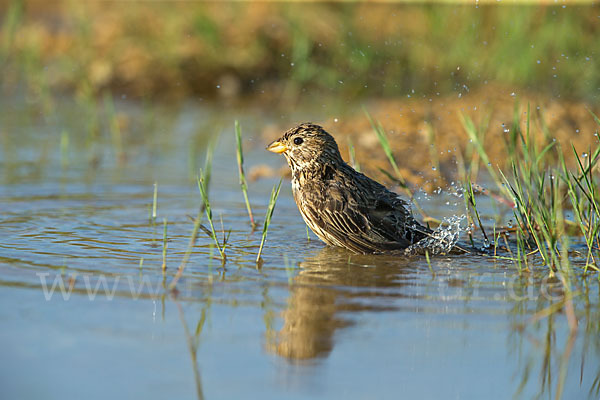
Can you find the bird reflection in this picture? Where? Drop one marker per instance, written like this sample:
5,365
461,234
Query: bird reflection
327,287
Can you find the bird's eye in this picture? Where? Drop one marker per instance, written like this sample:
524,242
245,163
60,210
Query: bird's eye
298,141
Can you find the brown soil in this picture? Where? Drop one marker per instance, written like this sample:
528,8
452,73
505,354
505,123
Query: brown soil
428,138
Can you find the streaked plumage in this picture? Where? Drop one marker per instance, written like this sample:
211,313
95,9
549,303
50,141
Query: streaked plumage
342,206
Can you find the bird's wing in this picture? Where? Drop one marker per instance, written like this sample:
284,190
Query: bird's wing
344,227
390,216
363,221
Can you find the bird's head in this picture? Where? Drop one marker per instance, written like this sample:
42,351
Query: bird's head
306,146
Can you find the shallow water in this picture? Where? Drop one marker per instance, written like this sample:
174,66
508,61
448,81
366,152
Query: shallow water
311,322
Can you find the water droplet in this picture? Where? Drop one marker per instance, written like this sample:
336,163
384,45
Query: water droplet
335,120
486,244
442,239
292,64
218,86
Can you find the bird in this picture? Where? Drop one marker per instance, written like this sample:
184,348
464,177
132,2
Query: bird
342,206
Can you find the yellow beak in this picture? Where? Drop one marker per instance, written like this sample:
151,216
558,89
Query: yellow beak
277,147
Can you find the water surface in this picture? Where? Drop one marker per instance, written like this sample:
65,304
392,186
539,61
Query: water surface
311,322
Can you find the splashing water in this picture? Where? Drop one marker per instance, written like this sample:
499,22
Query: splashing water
442,240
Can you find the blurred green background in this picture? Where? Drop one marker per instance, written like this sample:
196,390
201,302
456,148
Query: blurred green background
297,51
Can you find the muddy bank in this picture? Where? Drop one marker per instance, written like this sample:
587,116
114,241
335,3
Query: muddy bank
429,139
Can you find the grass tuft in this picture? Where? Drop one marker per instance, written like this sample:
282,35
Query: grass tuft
269,214
551,202
198,220
243,181
213,234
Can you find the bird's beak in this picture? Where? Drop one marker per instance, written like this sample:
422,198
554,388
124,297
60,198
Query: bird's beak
277,147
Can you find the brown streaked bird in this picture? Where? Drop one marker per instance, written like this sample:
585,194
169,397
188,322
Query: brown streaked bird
342,206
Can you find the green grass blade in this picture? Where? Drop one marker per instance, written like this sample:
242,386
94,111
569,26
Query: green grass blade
269,214
240,161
